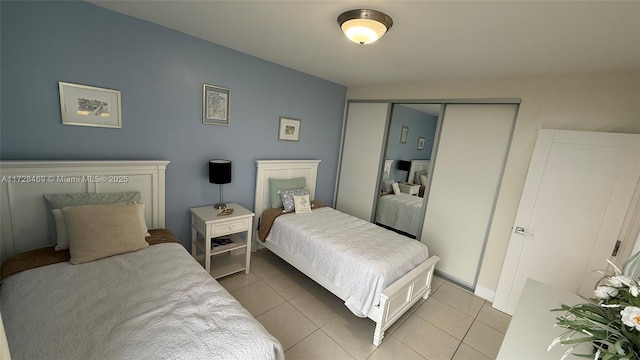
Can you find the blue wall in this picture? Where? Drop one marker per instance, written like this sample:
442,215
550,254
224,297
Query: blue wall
420,125
160,73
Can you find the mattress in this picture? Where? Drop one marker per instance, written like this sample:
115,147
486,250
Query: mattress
402,212
155,303
355,255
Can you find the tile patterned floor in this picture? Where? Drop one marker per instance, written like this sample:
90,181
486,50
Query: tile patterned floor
312,323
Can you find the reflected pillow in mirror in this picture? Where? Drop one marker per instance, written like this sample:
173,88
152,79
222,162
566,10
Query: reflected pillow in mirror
396,188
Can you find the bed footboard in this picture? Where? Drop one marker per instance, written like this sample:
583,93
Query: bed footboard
396,299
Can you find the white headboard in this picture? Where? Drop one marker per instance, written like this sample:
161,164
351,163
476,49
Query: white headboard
282,169
23,214
386,172
417,165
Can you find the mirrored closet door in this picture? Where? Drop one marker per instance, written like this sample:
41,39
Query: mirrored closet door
452,176
410,140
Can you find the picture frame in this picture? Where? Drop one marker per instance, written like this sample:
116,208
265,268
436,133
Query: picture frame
421,142
404,134
84,105
216,107
288,129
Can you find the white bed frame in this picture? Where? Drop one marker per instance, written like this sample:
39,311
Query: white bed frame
395,300
417,165
23,215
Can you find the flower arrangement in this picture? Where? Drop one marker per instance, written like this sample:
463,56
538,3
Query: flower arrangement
610,322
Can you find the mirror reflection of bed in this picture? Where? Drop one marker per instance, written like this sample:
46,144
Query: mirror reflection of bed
407,164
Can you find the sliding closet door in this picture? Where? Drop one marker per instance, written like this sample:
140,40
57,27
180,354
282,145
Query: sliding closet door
361,155
467,172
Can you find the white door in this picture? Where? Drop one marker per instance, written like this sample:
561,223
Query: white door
576,195
361,153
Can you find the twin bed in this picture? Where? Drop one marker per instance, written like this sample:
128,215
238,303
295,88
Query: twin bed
158,302
153,303
401,211
378,273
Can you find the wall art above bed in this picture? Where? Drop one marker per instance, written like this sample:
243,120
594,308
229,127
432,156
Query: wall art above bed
84,105
289,129
215,105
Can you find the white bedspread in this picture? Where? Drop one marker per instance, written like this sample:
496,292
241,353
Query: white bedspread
156,303
402,212
357,256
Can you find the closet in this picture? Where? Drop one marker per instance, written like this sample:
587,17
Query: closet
467,162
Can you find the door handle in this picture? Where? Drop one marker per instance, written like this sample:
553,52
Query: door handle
520,230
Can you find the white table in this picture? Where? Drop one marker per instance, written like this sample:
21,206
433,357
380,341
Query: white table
531,329
206,225
411,189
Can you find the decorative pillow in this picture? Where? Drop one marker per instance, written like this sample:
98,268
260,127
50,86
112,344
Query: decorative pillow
386,185
416,176
302,204
396,188
61,229
275,185
58,201
423,180
98,231
287,198
143,221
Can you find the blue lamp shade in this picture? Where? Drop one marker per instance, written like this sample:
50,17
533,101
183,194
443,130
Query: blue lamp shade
219,171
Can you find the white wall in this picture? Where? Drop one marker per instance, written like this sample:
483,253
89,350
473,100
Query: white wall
594,102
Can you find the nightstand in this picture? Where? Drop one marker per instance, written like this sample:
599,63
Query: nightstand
217,236
411,189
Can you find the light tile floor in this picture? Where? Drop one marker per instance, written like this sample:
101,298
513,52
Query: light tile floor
311,323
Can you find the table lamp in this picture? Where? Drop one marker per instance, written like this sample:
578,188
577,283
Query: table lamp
404,165
220,173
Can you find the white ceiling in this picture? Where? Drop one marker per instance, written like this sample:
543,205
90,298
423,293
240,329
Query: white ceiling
430,40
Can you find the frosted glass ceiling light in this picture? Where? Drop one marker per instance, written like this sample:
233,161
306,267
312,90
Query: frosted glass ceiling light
364,26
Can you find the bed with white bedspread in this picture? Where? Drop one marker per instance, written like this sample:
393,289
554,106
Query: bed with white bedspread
378,273
330,242
402,212
152,302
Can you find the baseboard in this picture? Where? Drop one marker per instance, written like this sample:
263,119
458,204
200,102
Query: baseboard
485,293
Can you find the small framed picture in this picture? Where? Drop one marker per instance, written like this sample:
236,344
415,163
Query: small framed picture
289,129
404,134
421,142
84,105
215,105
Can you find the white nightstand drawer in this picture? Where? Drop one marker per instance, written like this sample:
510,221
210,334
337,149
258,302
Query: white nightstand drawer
230,227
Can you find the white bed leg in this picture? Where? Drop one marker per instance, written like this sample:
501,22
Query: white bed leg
378,335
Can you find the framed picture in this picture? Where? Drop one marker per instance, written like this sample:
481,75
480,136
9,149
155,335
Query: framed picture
84,105
421,142
404,134
215,105
289,129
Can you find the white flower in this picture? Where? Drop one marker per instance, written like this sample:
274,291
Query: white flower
631,316
615,268
619,281
605,292
634,291
555,342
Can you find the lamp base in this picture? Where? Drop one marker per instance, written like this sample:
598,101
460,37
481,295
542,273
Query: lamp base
220,206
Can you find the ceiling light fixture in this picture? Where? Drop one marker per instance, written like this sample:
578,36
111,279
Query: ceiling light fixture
364,26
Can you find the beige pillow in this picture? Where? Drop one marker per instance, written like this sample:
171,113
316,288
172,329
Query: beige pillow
98,231
61,229
423,180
